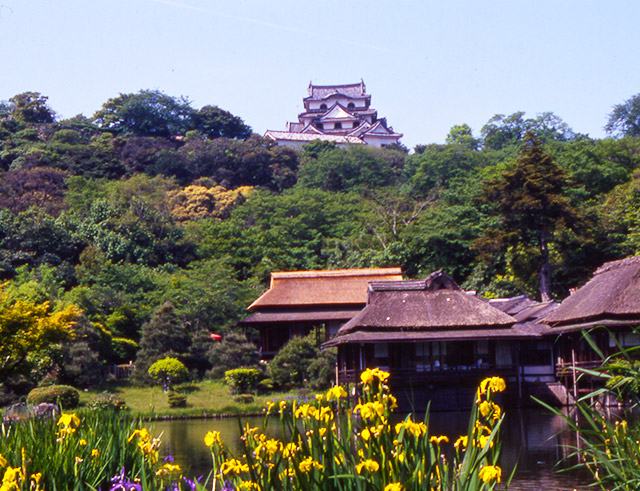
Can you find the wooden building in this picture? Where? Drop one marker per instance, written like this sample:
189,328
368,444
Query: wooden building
608,305
298,301
430,333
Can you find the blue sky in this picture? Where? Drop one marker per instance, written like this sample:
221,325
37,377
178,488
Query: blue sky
428,65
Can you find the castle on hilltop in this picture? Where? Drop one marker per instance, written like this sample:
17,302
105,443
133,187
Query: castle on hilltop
337,113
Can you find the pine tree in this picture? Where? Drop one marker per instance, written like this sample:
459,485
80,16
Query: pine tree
531,207
163,335
234,351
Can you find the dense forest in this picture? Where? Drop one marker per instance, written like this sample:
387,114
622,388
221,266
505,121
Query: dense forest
154,214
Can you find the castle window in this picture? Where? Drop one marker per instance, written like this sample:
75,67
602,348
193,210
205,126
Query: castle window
319,126
338,126
323,106
351,105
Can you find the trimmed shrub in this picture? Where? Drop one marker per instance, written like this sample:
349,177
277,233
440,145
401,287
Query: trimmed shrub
290,366
107,401
167,371
176,399
322,369
265,385
64,395
234,351
242,380
243,398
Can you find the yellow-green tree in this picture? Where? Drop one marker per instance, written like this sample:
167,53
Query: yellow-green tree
200,201
31,333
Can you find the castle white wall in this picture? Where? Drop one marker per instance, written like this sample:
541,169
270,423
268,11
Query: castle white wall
379,141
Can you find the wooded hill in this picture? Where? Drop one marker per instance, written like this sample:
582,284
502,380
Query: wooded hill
151,201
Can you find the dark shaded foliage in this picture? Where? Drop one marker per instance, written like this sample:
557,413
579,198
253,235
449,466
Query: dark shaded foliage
164,335
41,187
213,122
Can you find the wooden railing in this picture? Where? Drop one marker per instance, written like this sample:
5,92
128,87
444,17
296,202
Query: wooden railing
566,369
402,376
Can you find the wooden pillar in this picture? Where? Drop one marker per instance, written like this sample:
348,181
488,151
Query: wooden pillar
573,374
519,373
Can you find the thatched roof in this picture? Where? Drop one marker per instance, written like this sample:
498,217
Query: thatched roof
525,310
611,297
301,315
435,308
321,288
525,331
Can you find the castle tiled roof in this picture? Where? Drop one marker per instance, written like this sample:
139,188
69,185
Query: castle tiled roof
379,129
295,127
338,112
309,137
323,91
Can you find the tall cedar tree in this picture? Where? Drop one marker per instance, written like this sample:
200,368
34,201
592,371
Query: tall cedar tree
163,335
531,206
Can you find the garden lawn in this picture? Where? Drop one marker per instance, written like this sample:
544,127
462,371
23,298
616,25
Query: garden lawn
205,398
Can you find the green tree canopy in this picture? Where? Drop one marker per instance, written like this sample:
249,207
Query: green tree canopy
624,119
214,122
163,335
437,165
502,131
461,134
146,113
531,205
31,108
354,167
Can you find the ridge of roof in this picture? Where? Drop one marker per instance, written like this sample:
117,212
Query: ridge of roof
335,86
328,273
619,263
438,280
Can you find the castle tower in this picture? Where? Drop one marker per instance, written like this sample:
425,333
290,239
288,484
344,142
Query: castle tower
337,113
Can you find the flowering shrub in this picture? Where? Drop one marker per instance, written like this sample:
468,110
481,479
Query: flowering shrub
84,449
331,445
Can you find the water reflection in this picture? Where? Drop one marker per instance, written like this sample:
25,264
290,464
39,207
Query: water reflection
532,439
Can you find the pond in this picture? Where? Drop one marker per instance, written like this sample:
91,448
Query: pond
532,439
